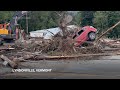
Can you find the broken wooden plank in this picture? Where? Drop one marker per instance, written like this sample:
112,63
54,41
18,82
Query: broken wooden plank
11,63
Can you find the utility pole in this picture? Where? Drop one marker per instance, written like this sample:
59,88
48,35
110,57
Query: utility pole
26,23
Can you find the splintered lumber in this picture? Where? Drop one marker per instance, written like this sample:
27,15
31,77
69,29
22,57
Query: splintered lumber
11,63
108,30
73,56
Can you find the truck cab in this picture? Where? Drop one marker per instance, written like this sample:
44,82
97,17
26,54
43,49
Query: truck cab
86,33
3,30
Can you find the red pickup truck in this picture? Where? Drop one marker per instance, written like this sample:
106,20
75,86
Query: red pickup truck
86,33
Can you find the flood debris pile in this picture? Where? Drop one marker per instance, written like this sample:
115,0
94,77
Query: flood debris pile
90,50
62,46
112,43
57,48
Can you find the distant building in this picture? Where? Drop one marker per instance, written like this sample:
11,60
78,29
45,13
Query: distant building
49,33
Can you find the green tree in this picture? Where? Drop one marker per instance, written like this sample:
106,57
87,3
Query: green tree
77,19
41,20
6,16
100,20
87,17
114,17
105,19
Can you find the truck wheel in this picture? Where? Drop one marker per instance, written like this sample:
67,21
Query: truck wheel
91,36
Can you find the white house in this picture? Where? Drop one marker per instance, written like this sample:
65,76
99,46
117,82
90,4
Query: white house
49,33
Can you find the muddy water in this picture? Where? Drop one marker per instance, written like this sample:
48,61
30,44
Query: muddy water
110,57
103,67
4,69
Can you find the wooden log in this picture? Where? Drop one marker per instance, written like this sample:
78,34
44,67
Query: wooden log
11,63
72,56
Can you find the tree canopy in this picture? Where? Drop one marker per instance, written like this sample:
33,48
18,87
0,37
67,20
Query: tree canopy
38,20
101,20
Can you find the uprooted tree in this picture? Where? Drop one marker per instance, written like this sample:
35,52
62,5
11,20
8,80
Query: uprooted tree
65,40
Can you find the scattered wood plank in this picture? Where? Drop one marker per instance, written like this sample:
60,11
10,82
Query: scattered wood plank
11,63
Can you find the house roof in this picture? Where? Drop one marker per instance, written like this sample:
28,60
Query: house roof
48,33
53,30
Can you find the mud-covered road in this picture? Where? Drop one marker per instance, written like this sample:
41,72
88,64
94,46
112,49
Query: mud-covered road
107,67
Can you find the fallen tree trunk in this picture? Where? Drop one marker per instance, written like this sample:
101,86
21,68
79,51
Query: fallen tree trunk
11,63
71,57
